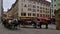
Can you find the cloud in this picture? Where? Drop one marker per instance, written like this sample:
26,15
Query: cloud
49,0
7,4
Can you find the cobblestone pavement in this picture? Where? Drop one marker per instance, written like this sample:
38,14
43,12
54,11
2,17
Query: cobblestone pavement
50,30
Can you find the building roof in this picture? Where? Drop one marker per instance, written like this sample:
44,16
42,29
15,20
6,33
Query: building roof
13,5
42,1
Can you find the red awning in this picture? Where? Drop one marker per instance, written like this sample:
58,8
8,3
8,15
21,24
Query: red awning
47,18
40,18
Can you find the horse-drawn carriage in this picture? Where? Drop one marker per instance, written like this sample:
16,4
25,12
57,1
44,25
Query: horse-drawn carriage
41,21
10,23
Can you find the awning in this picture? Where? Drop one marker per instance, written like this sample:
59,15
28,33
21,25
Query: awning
47,18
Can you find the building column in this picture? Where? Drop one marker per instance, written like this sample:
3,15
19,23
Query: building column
1,9
58,21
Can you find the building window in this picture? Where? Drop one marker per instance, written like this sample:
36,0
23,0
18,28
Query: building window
37,6
38,10
43,15
37,15
29,5
22,10
44,4
22,5
40,7
34,6
29,14
34,14
55,5
43,8
25,5
23,14
34,10
40,15
46,15
46,8
29,9
43,11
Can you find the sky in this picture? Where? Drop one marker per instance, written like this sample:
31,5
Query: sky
7,4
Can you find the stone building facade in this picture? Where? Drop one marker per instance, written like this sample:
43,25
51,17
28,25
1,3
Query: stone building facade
56,7
30,8
34,8
57,17
13,12
1,8
52,10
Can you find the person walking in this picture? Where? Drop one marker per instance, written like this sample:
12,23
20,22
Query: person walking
34,21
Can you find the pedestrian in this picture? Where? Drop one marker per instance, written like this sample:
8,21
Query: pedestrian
19,22
4,22
34,21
